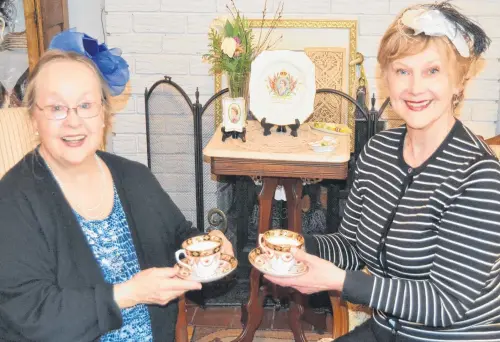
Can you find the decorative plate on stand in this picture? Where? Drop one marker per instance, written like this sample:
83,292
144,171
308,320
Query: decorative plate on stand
282,87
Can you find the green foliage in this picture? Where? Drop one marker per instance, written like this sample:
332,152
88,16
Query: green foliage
223,36
241,60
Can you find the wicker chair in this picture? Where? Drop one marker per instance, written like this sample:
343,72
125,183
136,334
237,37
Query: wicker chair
494,143
16,136
340,324
341,311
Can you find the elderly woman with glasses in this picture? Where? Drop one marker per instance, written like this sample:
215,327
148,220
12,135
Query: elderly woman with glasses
423,215
87,238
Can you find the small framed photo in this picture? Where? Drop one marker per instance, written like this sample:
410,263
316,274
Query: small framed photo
234,114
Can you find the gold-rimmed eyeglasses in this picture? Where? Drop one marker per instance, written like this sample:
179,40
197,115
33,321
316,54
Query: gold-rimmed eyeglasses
85,110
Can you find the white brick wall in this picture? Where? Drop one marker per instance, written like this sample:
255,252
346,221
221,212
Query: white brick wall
168,37
159,23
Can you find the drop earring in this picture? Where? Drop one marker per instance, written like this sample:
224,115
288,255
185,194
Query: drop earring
455,101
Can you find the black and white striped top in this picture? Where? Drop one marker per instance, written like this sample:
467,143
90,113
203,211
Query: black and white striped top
442,250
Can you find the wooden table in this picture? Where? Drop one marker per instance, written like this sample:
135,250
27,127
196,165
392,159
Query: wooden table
279,159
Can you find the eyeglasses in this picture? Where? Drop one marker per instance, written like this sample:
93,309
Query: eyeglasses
84,110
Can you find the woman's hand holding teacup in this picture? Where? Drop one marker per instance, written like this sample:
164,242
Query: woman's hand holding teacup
227,247
152,286
322,275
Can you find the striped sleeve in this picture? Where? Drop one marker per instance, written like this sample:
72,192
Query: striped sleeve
339,248
466,256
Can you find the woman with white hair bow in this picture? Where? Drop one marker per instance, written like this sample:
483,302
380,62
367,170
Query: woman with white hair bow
423,213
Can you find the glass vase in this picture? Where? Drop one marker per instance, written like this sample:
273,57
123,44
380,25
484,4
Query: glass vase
235,106
238,84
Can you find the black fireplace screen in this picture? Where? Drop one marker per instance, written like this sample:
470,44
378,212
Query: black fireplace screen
177,131
171,144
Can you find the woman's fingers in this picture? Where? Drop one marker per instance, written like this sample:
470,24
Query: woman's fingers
167,272
177,284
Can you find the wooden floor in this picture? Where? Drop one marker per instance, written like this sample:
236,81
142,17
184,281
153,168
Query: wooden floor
229,317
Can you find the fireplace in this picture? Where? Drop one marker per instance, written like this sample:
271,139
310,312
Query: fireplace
178,129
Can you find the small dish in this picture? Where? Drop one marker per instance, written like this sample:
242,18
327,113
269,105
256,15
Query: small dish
260,260
330,128
327,144
227,264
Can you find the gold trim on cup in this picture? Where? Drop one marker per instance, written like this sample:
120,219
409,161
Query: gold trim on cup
199,239
285,233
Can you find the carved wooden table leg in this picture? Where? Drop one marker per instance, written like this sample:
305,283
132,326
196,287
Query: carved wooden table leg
293,189
253,311
181,333
266,196
295,316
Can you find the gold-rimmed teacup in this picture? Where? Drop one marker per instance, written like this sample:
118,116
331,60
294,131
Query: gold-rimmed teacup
202,254
277,244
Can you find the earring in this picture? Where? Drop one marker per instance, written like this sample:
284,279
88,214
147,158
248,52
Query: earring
36,133
455,100
103,125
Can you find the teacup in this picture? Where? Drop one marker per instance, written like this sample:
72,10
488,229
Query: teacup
277,243
202,254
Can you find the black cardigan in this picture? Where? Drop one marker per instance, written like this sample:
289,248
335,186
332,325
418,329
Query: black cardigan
51,286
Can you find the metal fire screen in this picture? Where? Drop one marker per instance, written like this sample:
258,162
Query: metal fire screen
178,130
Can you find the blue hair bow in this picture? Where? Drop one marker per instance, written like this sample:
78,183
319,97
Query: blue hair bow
113,67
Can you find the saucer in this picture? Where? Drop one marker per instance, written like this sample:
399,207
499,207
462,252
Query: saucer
227,264
260,261
327,144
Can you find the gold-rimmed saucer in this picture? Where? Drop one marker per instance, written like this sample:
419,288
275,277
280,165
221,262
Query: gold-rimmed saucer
260,260
227,264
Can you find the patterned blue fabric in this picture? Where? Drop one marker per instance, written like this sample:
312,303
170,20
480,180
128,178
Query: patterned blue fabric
111,243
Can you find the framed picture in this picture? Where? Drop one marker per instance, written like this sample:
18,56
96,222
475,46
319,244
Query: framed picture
234,114
311,35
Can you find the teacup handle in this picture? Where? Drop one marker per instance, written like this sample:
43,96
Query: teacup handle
263,246
177,257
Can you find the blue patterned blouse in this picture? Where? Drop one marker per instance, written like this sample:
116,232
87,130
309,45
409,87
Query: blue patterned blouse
111,243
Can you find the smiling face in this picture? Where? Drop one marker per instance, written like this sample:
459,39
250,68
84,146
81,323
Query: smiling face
68,83
425,75
421,87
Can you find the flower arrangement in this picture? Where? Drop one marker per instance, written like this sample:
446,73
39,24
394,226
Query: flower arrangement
233,45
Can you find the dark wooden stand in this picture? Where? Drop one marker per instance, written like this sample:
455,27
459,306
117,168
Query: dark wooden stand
274,173
281,129
234,134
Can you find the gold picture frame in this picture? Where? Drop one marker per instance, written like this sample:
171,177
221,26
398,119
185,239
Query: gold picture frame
310,24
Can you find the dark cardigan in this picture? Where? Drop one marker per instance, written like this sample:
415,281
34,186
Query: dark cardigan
51,286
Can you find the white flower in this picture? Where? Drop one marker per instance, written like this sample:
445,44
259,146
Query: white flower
229,46
218,24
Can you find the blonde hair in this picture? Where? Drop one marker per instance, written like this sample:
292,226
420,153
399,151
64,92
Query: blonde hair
58,55
399,41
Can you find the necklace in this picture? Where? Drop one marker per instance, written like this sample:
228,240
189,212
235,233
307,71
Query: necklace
101,171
